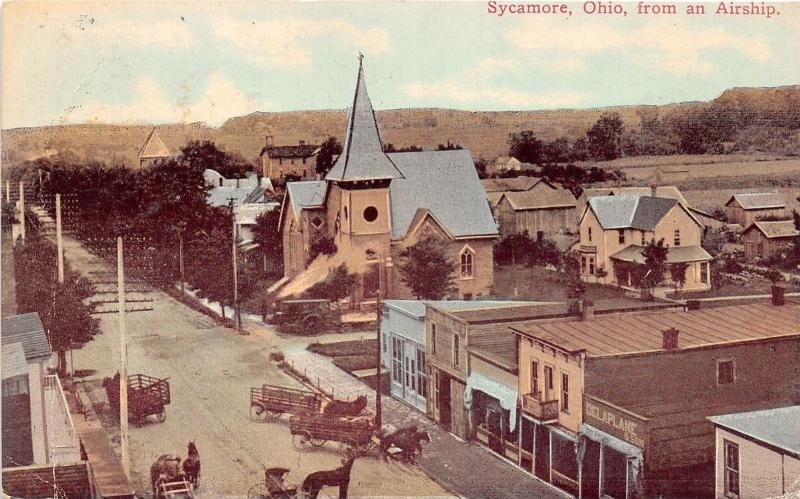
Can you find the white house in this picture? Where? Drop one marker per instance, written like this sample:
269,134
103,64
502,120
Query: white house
758,453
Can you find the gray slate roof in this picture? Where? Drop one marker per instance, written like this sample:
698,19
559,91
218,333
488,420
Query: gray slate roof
218,196
777,427
14,362
662,191
758,200
28,330
445,183
362,155
630,211
775,229
309,194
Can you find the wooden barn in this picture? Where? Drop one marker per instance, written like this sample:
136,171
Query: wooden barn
764,239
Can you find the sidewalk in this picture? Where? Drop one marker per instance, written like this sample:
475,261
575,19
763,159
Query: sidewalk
463,468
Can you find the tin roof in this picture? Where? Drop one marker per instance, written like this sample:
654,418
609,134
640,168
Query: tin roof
776,427
293,151
416,308
642,331
662,191
675,254
540,199
509,184
776,229
758,200
14,362
28,330
630,211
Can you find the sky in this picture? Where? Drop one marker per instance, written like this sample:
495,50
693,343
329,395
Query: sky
155,62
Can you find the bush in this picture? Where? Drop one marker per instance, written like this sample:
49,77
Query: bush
322,246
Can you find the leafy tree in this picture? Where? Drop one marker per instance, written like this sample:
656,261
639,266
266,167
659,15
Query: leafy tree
427,270
605,137
267,236
337,286
580,150
525,147
655,258
677,273
210,266
202,155
448,147
330,148
481,168
65,316
557,151
322,246
9,215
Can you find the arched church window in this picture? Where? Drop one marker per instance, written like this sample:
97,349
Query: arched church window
467,260
370,213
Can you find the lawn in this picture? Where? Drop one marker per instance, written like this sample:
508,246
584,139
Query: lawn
538,284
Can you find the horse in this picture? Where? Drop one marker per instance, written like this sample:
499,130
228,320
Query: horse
344,407
408,440
340,477
191,465
165,469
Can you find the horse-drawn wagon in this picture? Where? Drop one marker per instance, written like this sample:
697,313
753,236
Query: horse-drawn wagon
311,430
275,400
147,396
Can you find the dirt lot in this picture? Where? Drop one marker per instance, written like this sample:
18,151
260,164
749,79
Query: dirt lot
538,284
210,370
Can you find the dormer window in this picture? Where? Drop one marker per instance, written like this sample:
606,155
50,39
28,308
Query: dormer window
467,260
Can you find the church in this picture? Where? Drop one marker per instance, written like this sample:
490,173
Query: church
374,205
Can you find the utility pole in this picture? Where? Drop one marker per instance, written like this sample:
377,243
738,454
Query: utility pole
22,208
123,354
59,241
8,191
236,311
378,314
180,263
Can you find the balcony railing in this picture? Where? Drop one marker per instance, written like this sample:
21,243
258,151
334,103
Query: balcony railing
545,411
61,435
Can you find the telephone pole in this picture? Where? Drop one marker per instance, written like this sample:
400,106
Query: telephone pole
123,354
59,241
236,311
180,263
379,313
22,209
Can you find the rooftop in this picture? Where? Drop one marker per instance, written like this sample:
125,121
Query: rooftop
28,330
758,200
675,254
416,308
777,427
639,332
662,191
630,211
293,151
14,362
540,199
770,229
509,184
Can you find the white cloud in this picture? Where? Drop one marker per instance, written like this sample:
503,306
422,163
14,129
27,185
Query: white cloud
163,33
668,46
566,65
280,42
492,66
220,101
465,93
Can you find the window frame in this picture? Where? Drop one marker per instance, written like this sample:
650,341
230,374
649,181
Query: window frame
422,378
456,350
433,338
728,471
467,254
590,234
564,392
676,237
621,236
732,362
534,377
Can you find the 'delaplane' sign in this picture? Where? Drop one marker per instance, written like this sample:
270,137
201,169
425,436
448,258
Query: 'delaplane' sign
615,421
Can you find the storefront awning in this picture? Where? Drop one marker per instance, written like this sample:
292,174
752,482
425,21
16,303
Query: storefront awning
506,394
615,443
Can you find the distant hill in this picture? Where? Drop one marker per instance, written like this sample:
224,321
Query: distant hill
485,133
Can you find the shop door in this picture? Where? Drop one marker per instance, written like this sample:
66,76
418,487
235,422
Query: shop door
542,451
409,371
590,473
443,399
615,473
494,424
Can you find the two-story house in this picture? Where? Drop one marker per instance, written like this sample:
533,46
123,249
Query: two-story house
532,205
745,208
299,160
615,229
617,406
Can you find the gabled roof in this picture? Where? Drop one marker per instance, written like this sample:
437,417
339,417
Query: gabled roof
308,194
630,211
14,362
294,151
221,195
540,199
511,184
774,229
675,254
28,330
362,155
154,147
662,191
758,200
416,308
445,183
776,427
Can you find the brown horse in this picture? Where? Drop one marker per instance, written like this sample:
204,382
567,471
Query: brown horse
345,408
191,465
340,477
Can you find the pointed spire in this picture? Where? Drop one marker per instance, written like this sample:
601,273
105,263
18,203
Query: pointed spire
362,155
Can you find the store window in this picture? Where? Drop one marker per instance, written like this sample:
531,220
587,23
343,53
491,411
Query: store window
397,360
726,372
565,464
455,349
421,379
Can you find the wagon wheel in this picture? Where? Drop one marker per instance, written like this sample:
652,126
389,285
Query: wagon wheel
162,416
302,441
258,413
258,491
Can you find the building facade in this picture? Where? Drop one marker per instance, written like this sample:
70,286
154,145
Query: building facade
531,205
615,229
298,161
764,239
374,205
746,208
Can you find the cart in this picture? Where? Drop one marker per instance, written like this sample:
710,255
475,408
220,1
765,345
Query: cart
274,400
312,430
147,396
175,488
273,486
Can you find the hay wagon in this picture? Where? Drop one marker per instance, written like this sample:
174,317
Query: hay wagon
312,430
274,400
147,395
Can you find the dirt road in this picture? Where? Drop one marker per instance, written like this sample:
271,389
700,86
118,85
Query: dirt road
210,369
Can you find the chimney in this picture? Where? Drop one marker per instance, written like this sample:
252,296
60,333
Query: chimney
302,142
269,140
587,309
778,292
653,190
669,339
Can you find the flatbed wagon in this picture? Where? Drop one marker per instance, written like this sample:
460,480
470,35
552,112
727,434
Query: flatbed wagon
274,400
147,395
310,430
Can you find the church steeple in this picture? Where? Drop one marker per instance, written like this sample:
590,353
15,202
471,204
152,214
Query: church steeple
362,155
